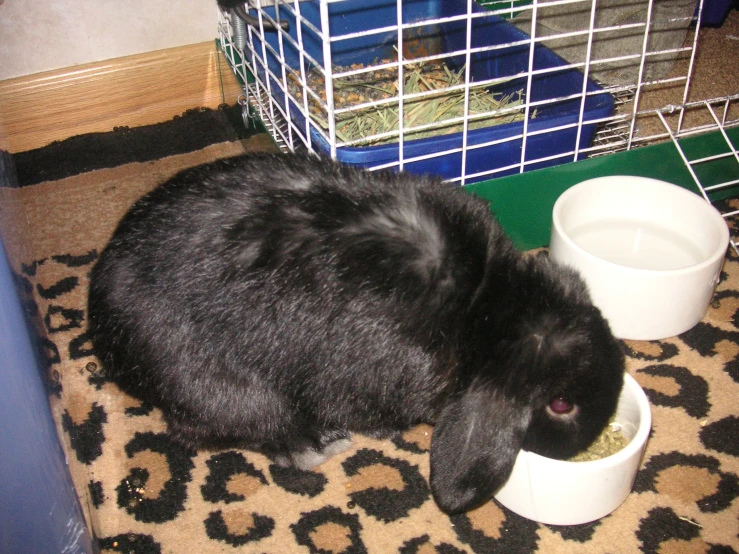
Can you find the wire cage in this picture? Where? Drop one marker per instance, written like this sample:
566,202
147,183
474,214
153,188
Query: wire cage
473,91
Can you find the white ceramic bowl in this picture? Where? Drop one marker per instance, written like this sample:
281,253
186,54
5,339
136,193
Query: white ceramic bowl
650,252
558,492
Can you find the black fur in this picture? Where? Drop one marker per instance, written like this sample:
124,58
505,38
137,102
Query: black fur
281,302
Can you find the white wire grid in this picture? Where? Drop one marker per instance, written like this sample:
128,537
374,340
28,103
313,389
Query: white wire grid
637,54
729,179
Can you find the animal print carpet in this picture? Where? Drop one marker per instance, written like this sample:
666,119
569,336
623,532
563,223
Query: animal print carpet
144,494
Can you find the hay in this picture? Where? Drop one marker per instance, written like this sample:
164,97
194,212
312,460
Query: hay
442,107
610,441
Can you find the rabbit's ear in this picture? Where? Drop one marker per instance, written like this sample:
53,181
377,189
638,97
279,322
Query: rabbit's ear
474,446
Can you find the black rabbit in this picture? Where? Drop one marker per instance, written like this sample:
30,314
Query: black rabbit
280,302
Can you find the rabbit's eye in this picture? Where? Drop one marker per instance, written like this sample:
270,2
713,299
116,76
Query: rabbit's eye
560,406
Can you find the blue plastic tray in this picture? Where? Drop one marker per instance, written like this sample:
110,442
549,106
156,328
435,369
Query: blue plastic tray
714,12
354,16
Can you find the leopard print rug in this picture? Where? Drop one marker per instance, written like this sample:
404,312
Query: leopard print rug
144,494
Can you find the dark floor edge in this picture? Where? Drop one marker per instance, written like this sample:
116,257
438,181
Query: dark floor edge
193,130
8,176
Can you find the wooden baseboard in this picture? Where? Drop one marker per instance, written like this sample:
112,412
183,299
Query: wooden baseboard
130,91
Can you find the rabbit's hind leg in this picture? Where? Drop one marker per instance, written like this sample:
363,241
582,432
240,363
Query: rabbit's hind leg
309,453
193,434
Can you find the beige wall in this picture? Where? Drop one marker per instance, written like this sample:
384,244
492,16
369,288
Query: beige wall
41,35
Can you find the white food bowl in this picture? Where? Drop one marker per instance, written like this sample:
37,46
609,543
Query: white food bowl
650,252
558,492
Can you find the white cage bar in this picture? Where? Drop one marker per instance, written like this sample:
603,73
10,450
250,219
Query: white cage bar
618,74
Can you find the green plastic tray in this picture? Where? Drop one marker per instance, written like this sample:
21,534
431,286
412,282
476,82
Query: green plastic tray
523,203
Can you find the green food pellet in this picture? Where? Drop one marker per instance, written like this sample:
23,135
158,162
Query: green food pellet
610,441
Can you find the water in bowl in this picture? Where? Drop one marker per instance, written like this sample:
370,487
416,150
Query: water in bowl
637,244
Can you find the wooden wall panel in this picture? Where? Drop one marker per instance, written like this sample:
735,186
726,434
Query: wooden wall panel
130,91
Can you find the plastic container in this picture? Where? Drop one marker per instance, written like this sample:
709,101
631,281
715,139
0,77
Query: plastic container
559,492
650,252
39,507
714,12
543,141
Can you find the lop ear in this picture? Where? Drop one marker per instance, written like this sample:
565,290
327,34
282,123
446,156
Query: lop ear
474,446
